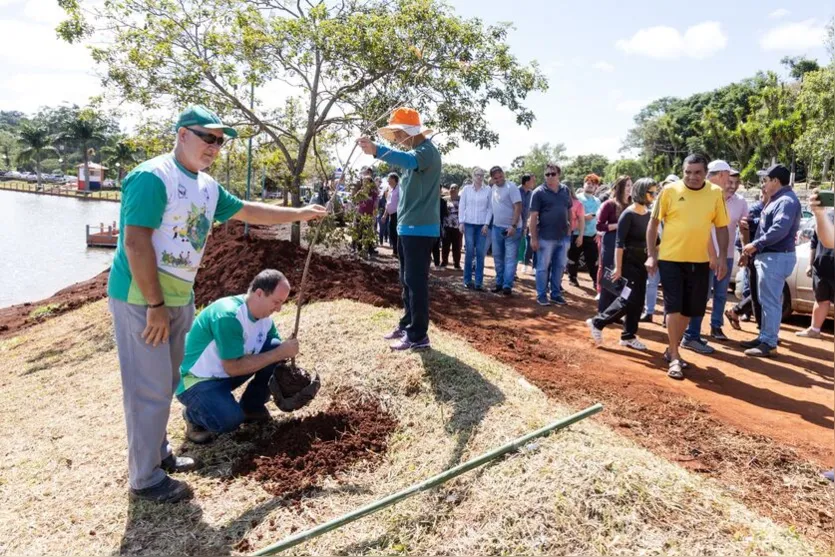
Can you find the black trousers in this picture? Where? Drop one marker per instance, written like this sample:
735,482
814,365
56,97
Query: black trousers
393,234
636,274
751,304
589,251
452,240
436,252
414,278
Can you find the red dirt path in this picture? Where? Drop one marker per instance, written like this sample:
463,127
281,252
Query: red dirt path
756,426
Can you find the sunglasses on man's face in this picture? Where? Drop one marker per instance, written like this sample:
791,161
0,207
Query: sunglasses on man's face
208,138
551,174
653,192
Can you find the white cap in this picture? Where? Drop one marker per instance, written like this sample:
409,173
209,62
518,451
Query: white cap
718,166
671,178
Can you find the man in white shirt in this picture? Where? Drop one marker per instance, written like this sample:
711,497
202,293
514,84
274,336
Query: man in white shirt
506,229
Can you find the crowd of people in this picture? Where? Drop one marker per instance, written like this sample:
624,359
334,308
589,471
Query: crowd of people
679,234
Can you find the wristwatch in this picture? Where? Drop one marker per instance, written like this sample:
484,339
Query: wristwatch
155,306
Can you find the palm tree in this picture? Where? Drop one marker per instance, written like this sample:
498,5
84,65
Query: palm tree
122,155
36,142
84,129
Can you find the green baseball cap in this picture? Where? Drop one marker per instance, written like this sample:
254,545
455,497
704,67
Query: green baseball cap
199,115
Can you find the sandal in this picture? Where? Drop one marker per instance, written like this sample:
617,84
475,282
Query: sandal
674,371
684,365
733,319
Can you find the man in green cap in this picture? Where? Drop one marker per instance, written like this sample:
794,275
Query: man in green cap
168,206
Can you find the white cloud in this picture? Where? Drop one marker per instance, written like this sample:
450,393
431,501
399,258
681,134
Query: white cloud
40,49
667,43
44,12
796,37
28,92
604,66
607,146
779,13
631,106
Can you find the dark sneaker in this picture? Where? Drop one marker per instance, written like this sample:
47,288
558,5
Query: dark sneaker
479,288
559,301
195,433
174,464
646,318
698,346
395,334
257,416
168,490
457,267
574,281
717,334
762,351
469,286
496,289
543,301
753,343
507,292
406,344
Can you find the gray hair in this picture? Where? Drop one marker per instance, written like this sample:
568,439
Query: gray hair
640,189
478,169
553,165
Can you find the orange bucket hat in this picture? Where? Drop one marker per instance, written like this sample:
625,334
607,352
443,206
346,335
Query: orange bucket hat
406,119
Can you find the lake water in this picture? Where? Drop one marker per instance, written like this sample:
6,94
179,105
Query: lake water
43,244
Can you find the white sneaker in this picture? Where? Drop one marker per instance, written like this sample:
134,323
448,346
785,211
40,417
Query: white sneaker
809,333
634,343
596,334
597,297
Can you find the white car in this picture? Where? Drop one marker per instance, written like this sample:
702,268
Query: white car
798,296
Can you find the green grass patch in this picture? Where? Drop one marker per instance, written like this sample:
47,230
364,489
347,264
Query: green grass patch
43,312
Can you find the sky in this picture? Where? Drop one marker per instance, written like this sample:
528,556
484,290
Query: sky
604,60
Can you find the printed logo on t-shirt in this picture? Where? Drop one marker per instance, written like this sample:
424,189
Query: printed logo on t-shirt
181,191
682,198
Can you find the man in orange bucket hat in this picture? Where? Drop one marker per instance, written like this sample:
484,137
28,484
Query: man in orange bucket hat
418,218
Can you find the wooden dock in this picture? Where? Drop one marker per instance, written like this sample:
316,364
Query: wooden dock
102,236
61,190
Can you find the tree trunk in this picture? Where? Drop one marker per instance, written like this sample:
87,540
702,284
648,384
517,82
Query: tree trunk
38,170
296,231
793,171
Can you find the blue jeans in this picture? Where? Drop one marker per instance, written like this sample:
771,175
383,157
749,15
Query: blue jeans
772,271
475,245
551,258
505,255
652,293
717,315
210,404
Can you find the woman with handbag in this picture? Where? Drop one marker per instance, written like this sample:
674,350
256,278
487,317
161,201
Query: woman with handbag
629,258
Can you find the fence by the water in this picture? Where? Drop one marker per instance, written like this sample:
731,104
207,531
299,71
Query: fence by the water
63,191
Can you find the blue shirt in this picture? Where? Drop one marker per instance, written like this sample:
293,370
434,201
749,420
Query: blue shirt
779,222
554,210
420,194
754,212
591,204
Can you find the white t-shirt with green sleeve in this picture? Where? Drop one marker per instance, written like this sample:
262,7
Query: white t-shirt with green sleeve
180,206
223,331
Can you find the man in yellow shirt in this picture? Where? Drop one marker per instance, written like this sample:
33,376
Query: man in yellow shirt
688,209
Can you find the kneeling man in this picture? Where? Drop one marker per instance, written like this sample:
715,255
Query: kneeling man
233,341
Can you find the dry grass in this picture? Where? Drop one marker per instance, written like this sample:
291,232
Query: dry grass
584,491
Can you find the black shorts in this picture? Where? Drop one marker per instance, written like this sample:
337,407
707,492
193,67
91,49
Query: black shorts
824,288
686,287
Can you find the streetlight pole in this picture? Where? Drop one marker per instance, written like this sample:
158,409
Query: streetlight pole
118,175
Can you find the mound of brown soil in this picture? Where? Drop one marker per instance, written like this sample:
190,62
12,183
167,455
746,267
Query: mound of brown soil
231,261
18,317
297,455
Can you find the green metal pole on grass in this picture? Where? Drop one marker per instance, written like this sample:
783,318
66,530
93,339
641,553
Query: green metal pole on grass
443,477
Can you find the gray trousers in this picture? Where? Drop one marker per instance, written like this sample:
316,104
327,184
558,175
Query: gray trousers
149,377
